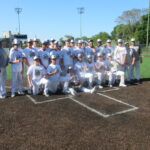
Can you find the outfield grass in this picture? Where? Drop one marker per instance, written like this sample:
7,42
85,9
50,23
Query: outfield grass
145,69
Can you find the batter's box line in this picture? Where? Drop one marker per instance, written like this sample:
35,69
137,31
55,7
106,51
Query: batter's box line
46,101
103,114
114,89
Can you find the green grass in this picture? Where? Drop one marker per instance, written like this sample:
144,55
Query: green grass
146,53
145,69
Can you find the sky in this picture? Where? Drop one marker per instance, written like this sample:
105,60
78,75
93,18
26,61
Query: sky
47,19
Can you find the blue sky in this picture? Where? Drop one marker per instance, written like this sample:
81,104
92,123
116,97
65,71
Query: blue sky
56,18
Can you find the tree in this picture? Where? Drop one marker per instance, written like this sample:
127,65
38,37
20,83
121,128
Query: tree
102,35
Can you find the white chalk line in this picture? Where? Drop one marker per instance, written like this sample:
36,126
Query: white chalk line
122,112
89,108
114,89
32,99
46,101
119,101
52,100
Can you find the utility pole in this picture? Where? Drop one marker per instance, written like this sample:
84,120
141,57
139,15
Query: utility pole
18,11
148,24
80,11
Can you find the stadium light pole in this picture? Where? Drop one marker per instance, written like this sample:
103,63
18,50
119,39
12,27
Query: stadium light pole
148,24
80,11
18,11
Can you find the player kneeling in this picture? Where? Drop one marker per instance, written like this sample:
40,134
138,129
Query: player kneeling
37,77
53,72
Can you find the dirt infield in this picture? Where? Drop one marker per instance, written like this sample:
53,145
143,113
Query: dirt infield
114,119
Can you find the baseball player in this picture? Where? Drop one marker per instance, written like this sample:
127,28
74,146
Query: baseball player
16,60
78,50
83,72
90,50
100,68
35,44
99,48
44,55
53,72
3,64
138,60
130,61
109,49
113,72
72,85
55,51
67,54
120,53
36,75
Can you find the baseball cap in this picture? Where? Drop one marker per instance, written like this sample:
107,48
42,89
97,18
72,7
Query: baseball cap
29,40
44,42
132,40
36,58
119,41
108,41
56,42
109,55
70,68
99,55
89,56
53,57
79,41
72,41
99,40
90,40
79,55
126,43
16,42
35,40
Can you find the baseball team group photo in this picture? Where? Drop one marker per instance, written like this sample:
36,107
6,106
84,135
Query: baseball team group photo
75,75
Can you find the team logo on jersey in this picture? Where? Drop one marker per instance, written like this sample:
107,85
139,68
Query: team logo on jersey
18,56
37,72
32,54
45,56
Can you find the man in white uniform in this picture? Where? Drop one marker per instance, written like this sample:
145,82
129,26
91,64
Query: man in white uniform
99,48
82,71
16,60
35,44
44,55
113,72
120,58
109,49
3,64
100,68
138,60
53,72
67,54
29,53
37,77
90,50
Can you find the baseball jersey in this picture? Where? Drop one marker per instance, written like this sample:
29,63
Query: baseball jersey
67,54
78,51
13,56
102,64
109,50
80,67
36,72
119,53
100,49
44,56
52,68
29,54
